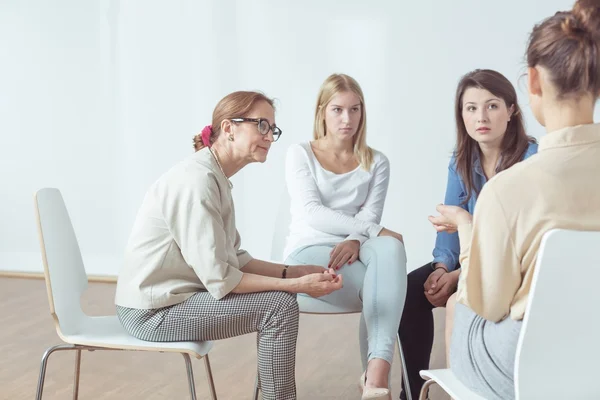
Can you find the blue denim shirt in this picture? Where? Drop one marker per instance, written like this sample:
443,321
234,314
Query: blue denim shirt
447,247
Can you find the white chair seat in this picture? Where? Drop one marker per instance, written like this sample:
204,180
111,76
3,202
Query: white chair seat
446,379
310,305
107,332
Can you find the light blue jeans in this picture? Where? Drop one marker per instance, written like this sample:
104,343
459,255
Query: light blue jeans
375,283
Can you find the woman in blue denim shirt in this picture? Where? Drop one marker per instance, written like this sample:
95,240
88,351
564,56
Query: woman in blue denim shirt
490,138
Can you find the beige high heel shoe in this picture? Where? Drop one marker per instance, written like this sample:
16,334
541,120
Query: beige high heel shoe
372,393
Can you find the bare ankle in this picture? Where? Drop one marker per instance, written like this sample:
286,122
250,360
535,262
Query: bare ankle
377,373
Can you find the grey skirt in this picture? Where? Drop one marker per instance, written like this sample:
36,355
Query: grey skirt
482,353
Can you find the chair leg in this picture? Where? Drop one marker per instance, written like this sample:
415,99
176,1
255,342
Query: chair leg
211,382
256,388
42,377
425,389
190,375
404,370
76,378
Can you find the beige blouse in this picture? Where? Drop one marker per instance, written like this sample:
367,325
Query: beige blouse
559,187
184,239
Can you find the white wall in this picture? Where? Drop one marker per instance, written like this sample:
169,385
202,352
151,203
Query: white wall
99,98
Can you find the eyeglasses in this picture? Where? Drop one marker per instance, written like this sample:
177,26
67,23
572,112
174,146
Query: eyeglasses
263,126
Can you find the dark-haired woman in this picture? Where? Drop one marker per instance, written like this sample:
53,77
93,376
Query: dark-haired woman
490,138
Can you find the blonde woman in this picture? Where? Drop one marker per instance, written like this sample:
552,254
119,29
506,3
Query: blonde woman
338,186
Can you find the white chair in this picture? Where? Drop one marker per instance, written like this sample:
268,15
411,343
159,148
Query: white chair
558,349
309,305
66,280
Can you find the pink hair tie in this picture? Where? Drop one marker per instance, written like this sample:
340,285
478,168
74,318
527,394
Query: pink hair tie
206,132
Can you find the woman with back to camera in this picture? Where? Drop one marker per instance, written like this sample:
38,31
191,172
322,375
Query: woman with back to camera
555,189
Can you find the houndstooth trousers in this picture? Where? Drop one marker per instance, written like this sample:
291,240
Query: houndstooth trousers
274,315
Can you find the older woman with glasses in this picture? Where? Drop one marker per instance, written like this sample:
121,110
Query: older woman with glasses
185,277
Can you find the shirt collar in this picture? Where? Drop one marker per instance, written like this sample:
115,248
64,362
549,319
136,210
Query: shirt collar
571,136
477,163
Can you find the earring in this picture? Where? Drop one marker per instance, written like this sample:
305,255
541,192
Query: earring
230,138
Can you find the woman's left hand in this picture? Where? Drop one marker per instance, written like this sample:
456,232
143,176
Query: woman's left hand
450,218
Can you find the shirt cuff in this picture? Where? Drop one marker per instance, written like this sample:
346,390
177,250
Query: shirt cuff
223,288
244,258
374,230
451,265
356,236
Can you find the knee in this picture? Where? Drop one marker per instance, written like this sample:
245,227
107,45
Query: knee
287,304
389,246
279,312
415,282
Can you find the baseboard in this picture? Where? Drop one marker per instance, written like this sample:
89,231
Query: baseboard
96,265
40,275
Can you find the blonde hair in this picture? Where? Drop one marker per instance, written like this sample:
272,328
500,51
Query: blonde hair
333,85
234,105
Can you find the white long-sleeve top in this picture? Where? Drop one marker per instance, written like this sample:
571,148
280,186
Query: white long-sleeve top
328,208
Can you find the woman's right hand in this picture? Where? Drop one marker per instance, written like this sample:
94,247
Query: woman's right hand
450,218
387,232
317,285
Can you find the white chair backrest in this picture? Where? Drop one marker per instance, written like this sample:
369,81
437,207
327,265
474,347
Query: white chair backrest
64,271
282,227
558,353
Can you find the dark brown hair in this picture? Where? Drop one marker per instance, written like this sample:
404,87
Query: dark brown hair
515,140
567,46
234,105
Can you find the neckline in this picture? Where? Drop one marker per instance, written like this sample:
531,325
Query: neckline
216,160
325,169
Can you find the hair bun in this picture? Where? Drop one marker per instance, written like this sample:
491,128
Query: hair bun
587,13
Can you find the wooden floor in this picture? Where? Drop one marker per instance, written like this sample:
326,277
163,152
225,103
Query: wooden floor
328,363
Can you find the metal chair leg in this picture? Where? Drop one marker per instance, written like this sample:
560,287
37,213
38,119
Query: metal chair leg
211,382
425,389
190,375
76,378
44,363
404,370
256,388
